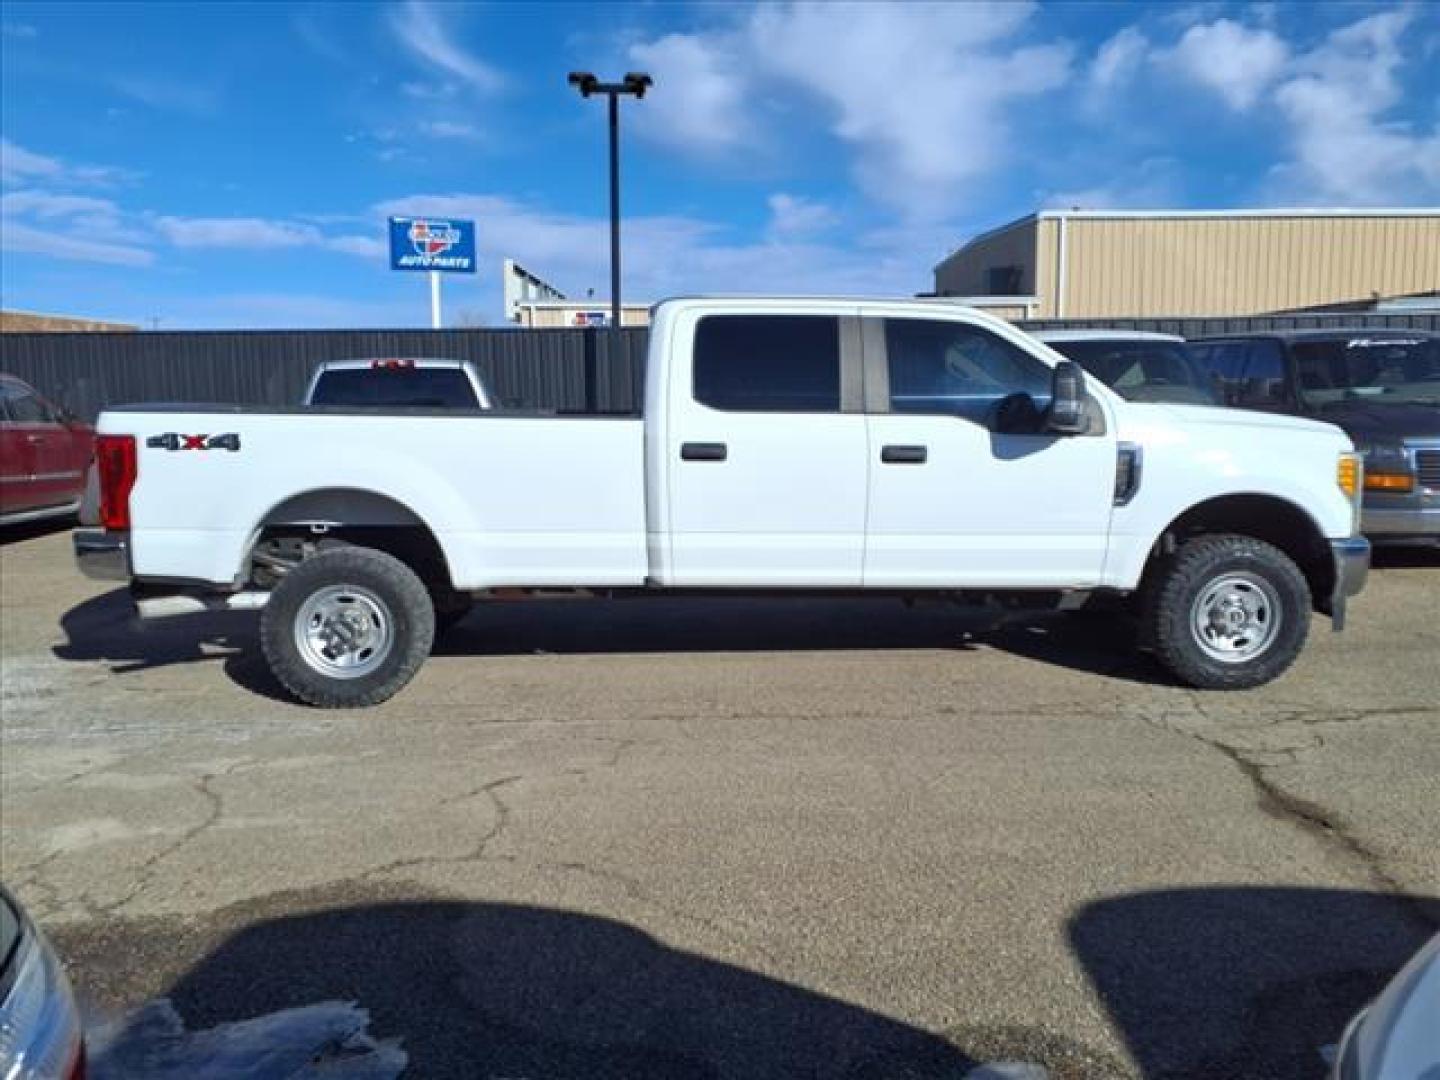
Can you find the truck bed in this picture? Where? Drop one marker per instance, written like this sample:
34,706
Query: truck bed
512,498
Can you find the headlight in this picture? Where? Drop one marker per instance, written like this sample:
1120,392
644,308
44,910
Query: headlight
1387,468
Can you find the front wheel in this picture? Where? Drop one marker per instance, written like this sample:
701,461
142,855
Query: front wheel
1228,612
348,627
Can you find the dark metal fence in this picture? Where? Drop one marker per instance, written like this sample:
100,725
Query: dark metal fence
569,370
565,370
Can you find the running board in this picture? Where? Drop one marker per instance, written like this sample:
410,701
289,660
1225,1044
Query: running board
163,607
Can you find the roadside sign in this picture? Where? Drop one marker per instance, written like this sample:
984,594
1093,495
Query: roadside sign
438,245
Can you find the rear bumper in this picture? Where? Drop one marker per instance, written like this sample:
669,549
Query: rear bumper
104,556
1352,567
1401,524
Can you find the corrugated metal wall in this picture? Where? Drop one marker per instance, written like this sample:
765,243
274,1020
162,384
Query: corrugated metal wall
969,275
570,370
1240,265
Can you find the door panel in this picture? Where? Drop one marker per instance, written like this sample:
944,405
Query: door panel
17,465
958,504
767,477
54,479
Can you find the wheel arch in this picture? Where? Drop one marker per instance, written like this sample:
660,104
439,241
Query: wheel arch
356,515
1271,518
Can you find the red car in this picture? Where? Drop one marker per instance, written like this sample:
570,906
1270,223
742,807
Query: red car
44,454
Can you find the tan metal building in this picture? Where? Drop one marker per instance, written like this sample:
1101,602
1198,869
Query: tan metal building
570,314
1150,263
17,322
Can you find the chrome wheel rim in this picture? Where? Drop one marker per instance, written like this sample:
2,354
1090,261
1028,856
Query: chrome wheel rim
344,631
1236,617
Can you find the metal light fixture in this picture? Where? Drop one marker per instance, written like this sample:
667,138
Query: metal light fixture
635,84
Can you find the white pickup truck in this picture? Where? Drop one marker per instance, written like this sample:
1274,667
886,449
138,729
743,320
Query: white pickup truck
798,445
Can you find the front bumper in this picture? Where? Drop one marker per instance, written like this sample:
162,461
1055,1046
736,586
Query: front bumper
104,556
1352,567
1418,523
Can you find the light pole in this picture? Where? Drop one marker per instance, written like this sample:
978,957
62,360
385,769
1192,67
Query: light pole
636,83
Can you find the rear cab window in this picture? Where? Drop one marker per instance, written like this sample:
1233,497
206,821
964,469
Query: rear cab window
384,387
768,363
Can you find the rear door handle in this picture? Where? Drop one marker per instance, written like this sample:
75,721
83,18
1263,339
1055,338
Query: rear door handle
903,455
703,451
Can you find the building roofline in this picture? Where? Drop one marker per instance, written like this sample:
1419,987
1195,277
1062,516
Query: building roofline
1253,212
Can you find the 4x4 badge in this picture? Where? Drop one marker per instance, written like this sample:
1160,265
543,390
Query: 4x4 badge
174,441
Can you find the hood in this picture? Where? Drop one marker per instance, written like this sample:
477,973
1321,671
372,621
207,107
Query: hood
1371,421
1217,416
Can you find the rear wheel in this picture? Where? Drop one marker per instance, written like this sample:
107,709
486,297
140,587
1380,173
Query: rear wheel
1228,612
347,627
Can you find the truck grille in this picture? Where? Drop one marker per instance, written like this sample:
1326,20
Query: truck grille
1427,467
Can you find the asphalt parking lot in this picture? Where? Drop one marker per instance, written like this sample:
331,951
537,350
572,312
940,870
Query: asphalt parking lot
734,839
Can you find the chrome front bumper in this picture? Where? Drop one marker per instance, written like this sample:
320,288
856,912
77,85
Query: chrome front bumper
1417,523
1352,567
102,555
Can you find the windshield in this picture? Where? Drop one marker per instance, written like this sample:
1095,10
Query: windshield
1141,370
395,387
1387,370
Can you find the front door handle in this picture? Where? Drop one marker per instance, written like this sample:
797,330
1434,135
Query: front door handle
903,455
703,451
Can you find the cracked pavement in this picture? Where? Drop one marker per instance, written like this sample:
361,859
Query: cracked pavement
739,838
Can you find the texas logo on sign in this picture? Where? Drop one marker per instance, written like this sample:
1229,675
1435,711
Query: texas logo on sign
432,244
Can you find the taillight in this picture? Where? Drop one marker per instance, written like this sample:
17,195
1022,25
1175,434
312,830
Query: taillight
115,458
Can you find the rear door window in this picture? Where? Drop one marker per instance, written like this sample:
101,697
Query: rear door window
768,363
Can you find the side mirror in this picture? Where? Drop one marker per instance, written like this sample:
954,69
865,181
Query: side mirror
1067,415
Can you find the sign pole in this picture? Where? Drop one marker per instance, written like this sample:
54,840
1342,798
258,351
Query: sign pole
434,299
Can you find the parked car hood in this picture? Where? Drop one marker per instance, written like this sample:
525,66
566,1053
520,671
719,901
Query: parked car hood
1374,421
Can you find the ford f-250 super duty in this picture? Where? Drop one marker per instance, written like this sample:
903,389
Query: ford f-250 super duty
797,445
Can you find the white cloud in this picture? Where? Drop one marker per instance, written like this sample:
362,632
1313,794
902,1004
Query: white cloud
1237,62
919,91
1118,60
700,102
259,234
664,255
19,237
420,29
1152,184
18,164
44,205
173,95
451,129
1335,99
793,216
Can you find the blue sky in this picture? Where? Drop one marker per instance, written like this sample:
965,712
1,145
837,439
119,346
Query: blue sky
216,165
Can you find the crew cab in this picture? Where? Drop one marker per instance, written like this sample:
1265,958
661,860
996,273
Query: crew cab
398,383
1381,387
793,446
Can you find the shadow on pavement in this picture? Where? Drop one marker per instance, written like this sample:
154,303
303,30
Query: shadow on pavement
106,628
33,530
501,990
1405,557
1235,981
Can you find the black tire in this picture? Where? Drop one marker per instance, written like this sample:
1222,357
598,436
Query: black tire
385,581
1182,580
